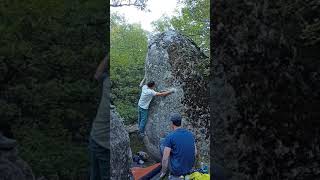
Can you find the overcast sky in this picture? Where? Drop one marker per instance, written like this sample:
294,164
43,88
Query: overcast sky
157,7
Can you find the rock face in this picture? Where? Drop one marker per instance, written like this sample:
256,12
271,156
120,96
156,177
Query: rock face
175,61
265,89
12,167
121,156
132,128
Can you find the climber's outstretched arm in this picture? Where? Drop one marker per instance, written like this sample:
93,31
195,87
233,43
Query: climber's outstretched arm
142,82
165,93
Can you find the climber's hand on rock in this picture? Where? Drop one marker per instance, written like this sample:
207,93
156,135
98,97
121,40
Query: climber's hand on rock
172,90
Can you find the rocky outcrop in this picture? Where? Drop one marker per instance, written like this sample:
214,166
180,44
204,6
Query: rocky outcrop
12,167
121,155
265,89
132,128
175,61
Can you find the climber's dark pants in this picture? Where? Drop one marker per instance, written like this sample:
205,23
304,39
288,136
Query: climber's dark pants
142,119
99,161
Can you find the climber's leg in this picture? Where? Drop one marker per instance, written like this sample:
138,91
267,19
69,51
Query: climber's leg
143,119
139,117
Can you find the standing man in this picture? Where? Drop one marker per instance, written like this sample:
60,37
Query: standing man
178,150
146,96
99,136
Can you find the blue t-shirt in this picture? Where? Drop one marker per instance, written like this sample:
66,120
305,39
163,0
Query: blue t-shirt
182,156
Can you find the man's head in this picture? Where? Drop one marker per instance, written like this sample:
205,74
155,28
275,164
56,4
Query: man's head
151,84
176,119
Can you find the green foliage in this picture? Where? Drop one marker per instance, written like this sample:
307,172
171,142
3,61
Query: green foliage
129,48
193,21
162,24
127,53
49,53
140,4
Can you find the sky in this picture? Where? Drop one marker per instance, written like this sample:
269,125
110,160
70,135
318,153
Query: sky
158,8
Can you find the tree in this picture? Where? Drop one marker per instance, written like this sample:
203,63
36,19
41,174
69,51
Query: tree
162,24
193,21
49,53
141,4
128,50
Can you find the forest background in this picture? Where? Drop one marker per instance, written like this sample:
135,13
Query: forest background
49,54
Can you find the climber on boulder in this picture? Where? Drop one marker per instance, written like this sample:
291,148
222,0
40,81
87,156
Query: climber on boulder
178,150
147,94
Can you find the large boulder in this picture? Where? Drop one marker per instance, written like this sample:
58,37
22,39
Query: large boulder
12,167
175,61
265,90
121,156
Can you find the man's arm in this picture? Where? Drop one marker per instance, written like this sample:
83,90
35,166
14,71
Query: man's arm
141,83
144,78
101,68
165,161
163,93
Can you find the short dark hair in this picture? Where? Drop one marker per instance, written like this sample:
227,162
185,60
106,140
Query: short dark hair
177,123
150,84
176,119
